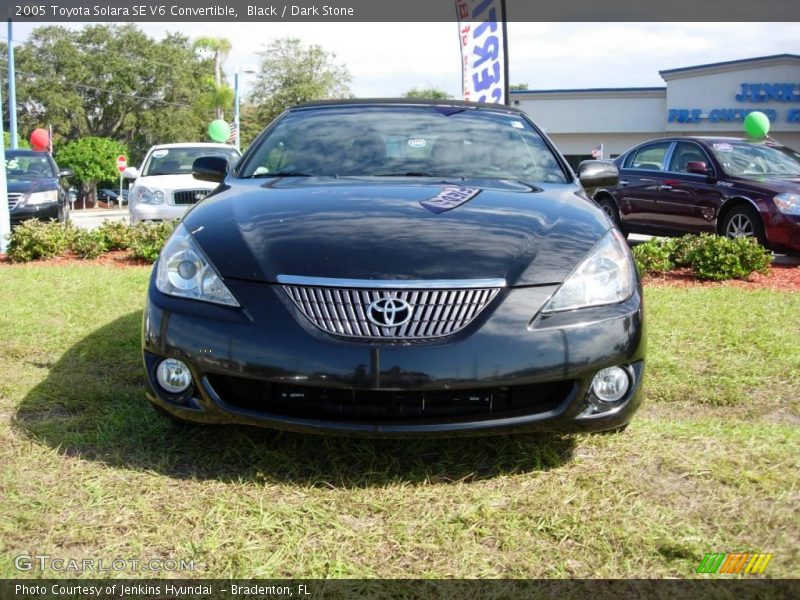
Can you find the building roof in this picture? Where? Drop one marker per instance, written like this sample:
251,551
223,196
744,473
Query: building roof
731,63
590,90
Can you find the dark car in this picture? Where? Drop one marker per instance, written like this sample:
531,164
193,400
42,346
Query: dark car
390,268
108,196
728,186
35,187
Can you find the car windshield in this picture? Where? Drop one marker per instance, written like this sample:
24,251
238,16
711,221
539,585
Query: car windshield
178,161
28,166
741,159
404,141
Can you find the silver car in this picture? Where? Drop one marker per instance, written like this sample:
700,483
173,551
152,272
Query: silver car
164,188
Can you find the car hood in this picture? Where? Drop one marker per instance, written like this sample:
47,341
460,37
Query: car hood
26,186
257,230
174,182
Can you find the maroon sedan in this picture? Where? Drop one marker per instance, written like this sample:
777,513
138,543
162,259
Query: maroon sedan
728,186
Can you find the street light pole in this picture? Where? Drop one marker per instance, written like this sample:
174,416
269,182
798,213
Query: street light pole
12,92
5,218
236,116
236,108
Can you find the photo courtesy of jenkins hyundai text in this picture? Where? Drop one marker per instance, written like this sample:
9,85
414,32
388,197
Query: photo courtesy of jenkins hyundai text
397,268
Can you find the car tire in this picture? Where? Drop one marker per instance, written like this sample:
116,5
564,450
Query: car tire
743,221
176,422
609,207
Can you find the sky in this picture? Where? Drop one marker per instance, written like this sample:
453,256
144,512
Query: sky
543,55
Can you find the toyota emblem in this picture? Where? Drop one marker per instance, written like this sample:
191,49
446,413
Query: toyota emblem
389,312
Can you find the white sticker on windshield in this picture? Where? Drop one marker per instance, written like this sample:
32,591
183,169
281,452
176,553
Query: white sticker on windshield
160,153
417,143
517,125
723,147
450,197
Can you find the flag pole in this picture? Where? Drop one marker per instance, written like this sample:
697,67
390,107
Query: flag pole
507,86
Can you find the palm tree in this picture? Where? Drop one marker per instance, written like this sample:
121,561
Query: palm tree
221,48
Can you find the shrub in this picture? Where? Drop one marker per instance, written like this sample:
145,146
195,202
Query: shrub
147,239
682,246
35,240
653,256
88,244
116,235
716,258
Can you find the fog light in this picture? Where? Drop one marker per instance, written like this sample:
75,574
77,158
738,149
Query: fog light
611,384
173,375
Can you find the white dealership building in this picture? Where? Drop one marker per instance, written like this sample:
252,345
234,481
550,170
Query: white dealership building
710,99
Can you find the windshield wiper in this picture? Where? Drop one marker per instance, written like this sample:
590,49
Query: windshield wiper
279,174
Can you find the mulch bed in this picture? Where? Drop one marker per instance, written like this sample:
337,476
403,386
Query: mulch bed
783,278
116,258
780,278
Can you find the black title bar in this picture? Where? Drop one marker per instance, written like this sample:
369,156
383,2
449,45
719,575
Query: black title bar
395,10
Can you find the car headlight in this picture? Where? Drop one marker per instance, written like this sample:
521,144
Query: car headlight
148,196
788,204
606,276
42,197
183,270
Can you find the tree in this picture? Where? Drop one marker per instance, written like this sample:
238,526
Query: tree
21,142
433,93
111,81
92,159
291,74
518,87
219,48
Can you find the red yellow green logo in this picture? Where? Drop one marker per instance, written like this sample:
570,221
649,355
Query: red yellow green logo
736,562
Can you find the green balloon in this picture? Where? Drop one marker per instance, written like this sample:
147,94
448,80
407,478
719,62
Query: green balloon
756,124
219,130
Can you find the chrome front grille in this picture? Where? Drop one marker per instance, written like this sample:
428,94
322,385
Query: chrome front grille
13,200
427,309
188,196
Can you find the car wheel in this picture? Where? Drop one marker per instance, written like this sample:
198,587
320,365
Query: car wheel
610,208
744,221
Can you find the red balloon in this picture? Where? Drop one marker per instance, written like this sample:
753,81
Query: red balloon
40,139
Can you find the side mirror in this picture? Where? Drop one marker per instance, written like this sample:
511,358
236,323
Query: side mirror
131,173
598,173
697,166
210,168
65,174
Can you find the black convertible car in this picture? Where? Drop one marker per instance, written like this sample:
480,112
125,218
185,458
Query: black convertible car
397,268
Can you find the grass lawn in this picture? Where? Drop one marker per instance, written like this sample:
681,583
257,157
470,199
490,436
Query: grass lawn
87,469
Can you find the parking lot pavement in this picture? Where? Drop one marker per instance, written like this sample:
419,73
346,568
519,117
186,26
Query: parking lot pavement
91,218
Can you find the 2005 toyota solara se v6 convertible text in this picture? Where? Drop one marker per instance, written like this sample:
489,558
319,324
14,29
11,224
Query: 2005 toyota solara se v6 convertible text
396,268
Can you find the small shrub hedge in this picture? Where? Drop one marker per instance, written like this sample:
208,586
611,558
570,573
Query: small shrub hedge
88,244
116,235
716,258
653,256
36,240
147,239
711,257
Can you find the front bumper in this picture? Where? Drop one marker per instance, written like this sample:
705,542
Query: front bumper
156,212
783,232
43,212
267,365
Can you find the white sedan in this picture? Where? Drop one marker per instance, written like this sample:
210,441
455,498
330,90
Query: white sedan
164,188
